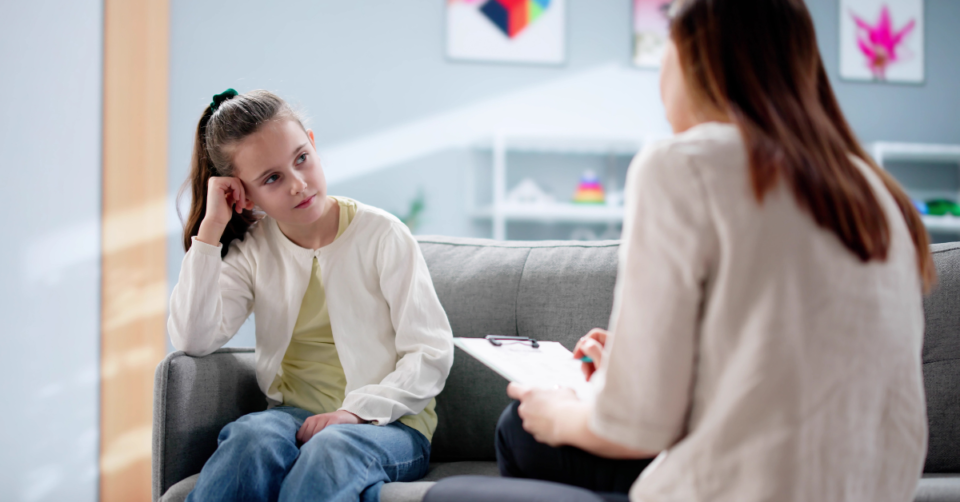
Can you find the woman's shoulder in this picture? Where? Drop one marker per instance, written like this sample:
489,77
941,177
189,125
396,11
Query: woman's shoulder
701,152
713,142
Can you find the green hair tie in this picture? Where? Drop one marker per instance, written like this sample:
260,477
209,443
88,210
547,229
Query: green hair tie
220,98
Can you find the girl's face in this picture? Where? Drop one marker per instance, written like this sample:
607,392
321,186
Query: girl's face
673,91
281,174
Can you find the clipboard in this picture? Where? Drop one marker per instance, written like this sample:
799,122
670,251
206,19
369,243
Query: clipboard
548,365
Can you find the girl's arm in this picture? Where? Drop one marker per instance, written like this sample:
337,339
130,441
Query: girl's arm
424,340
212,298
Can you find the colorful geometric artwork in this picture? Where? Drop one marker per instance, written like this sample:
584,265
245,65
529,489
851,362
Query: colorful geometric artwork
650,32
881,40
512,16
506,30
589,191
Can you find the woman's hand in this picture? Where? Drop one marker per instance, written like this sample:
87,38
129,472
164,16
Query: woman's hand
591,346
317,423
542,411
224,196
556,417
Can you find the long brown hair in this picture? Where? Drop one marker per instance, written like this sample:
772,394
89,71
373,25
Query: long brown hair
758,62
218,131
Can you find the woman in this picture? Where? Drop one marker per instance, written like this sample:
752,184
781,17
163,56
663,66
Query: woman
767,325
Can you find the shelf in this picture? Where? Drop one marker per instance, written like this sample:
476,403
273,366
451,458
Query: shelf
906,152
947,223
606,145
556,212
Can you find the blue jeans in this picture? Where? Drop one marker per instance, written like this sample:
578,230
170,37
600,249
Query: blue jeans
258,458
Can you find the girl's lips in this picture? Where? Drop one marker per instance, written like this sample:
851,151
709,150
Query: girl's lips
306,202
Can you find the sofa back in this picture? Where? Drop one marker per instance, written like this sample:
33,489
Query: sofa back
941,361
545,290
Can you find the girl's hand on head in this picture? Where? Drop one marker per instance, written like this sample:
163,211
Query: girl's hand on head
591,346
224,196
317,423
542,411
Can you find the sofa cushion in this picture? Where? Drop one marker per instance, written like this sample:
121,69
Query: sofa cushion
391,492
566,290
547,290
938,488
477,283
941,361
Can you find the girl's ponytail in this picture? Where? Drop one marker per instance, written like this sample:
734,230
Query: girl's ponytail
226,122
201,170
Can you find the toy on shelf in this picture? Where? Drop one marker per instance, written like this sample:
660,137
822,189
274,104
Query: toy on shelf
528,192
942,207
589,191
921,206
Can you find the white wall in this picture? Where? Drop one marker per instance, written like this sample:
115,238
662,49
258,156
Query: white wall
50,136
392,115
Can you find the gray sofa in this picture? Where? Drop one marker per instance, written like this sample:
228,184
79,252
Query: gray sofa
544,290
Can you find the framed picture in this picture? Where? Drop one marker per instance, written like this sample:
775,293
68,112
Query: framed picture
512,31
881,40
650,32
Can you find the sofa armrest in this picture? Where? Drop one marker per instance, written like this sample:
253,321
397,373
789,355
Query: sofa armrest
194,397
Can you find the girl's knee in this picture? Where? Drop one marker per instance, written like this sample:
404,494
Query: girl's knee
261,427
332,441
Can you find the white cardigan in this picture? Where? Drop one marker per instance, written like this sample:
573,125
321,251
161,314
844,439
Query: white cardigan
392,335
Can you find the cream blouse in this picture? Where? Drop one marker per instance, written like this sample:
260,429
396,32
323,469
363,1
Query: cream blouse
764,359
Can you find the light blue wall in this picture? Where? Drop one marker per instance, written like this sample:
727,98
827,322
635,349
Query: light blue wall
50,136
373,78
926,113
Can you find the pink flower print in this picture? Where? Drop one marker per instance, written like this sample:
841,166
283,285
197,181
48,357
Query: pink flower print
879,43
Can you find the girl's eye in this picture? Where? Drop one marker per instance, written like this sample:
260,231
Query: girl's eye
302,158
271,179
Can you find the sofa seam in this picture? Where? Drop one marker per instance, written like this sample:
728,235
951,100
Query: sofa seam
516,300
534,246
941,361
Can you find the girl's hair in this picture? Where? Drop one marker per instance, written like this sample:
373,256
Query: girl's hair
217,133
758,61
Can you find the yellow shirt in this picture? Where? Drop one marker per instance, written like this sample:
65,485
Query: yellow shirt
311,376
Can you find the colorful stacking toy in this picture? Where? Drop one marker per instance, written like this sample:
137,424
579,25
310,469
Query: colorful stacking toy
942,207
589,191
921,206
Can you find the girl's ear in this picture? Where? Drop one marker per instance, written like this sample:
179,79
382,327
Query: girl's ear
312,141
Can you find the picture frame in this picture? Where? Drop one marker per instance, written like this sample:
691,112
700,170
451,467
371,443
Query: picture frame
650,32
882,41
506,31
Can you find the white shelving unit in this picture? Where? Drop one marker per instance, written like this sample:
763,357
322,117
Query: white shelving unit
884,152
502,211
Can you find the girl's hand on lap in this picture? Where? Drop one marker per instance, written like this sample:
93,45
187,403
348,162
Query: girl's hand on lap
591,345
319,422
542,410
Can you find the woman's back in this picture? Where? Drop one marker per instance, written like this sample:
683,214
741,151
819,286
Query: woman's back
807,374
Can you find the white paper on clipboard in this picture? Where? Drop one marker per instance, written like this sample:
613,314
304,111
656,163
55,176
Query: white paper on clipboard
548,366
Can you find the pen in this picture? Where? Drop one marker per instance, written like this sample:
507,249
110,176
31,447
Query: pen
585,359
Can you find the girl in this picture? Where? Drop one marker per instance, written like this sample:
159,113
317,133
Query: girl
765,341
352,344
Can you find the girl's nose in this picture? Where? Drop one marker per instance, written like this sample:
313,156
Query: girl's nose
299,185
